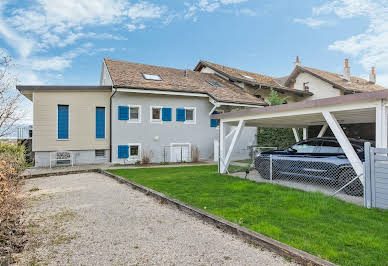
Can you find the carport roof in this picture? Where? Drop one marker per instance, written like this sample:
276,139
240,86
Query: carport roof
348,109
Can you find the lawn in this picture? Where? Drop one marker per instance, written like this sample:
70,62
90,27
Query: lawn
327,227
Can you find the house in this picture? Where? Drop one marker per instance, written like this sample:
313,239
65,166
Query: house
163,113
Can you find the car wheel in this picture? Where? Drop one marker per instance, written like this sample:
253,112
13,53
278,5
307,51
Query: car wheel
355,188
263,169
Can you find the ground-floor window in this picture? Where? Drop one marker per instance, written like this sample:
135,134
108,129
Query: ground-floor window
99,153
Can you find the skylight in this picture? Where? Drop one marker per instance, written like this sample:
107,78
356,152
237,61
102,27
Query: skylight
246,76
151,77
215,83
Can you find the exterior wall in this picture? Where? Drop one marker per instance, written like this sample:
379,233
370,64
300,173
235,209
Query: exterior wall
320,88
42,158
82,111
158,137
105,79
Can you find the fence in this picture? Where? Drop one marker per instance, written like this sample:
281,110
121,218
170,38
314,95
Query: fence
330,175
376,177
177,153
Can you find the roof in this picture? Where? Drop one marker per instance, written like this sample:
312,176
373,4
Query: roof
256,79
356,84
339,100
129,75
22,88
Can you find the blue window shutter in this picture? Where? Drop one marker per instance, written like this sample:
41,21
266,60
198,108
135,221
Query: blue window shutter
166,114
100,122
123,151
214,122
63,121
123,112
180,114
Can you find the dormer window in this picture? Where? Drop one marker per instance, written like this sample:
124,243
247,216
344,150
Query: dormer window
246,76
215,83
306,86
151,77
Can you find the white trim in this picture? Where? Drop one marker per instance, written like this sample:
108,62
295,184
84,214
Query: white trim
212,110
194,121
345,144
305,111
129,114
68,126
323,131
296,134
156,121
164,92
236,137
180,144
230,133
138,157
381,125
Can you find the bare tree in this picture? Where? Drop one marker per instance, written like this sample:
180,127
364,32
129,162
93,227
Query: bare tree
10,98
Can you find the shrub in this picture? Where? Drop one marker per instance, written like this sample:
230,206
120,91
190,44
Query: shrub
146,157
12,163
195,154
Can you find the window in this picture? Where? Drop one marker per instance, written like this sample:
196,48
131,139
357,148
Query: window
306,146
100,122
63,122
134,113
156,114
246,76
134,150
189,114
99,153
123,112
151,77
186,115
215,83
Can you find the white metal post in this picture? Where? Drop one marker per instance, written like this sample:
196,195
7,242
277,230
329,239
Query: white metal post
345,144
221,165
296,135
305,133
323,131
381,125
236,136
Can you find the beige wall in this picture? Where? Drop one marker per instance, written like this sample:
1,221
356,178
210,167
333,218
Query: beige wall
320,88
82,106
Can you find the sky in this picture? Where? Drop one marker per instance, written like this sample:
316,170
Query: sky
56,42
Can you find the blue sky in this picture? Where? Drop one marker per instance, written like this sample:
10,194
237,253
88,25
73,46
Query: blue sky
64,42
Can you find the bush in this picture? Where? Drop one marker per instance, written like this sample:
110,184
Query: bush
146,157
12,163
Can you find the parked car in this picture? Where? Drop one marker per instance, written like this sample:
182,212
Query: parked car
319,159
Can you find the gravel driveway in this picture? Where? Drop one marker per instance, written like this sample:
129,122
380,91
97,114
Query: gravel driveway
86,219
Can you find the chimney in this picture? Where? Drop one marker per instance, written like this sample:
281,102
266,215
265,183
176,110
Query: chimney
372,76
297,62
347,70
186,74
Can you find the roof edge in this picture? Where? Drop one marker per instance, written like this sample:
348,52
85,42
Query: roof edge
63,87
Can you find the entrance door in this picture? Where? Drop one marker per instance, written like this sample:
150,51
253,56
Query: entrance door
180,153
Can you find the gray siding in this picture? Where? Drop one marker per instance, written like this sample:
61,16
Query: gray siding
381,184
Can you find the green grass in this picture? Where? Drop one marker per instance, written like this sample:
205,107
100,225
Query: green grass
327,227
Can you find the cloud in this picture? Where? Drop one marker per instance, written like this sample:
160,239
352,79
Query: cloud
311,22
133,27
368,47
209,6
247,12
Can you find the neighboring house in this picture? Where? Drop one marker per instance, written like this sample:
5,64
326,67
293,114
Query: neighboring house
163,113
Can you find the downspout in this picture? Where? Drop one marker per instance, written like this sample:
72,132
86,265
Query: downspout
110,124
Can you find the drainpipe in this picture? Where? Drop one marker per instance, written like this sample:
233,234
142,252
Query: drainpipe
110,124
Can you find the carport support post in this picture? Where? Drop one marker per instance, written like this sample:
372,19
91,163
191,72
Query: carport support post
305,133
381,125
236,136
345,144
323,131
296,135
221,144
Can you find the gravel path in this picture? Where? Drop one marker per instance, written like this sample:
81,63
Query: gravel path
90,219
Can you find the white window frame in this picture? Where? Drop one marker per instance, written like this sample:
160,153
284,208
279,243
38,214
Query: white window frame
58,139
138,157
159,121
129,115
194,121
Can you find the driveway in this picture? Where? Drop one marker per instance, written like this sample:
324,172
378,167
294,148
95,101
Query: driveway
87,219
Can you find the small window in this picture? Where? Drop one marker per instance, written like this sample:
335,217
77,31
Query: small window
134,150
215,83
152,77
134,113
156,114
189,114
246,76
99,153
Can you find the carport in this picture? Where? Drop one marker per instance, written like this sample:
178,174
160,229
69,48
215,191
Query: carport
359,108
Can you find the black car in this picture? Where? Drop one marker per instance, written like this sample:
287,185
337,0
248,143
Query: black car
319,159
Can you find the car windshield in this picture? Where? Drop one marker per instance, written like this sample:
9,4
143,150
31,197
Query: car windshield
306,147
